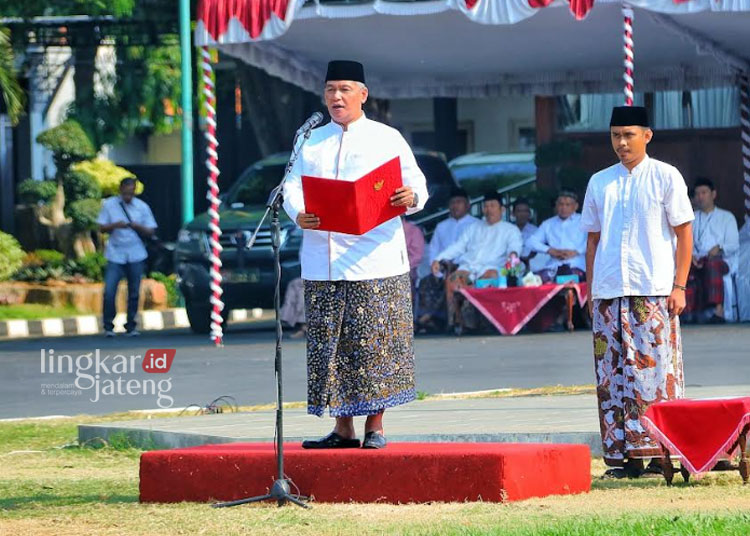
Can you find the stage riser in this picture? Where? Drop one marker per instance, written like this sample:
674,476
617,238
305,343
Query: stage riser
401,473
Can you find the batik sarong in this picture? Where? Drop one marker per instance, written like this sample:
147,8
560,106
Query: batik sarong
705,285
638,362
360,358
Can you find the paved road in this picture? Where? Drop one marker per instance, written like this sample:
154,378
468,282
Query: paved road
244,367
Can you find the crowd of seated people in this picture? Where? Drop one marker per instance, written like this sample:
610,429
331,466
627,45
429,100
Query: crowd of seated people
465,250
431,311
484,247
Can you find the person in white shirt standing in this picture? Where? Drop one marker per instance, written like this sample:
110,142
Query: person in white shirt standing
360,328
562,239
716,245
638,218
126,218
483,248
431,307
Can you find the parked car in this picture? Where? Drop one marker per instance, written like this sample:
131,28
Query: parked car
248,275
496,167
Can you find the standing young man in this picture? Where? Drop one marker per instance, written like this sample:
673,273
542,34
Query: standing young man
638,218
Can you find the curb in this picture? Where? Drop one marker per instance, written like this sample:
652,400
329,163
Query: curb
92,324
160,439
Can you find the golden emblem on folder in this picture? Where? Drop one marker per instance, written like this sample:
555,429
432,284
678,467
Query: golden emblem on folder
378,185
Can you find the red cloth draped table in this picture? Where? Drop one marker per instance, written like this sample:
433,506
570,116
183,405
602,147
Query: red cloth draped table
510,309
700,432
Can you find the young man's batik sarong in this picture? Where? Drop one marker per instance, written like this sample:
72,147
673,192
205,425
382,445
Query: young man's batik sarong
638,361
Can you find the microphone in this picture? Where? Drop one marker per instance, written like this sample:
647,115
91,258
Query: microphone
313,121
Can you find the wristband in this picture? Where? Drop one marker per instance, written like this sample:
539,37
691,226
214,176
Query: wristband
681,287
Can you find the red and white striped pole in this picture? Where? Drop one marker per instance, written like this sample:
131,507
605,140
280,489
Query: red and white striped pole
627,13
217,305
745,129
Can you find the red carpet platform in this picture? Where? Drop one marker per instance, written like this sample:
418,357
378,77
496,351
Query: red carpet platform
400,473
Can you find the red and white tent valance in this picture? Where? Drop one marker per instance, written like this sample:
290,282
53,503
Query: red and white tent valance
485,48
236,21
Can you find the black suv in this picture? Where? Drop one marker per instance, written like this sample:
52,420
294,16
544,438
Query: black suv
248,275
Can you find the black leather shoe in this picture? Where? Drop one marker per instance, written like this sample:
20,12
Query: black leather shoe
374,440
331,441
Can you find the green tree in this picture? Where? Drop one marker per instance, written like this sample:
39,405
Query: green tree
146,84
69,144
144,100
13,95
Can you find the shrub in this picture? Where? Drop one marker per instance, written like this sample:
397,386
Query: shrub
11,256
40,265
32,191
91,266
69,143
49,257
79,186
170,283
106,174
84,213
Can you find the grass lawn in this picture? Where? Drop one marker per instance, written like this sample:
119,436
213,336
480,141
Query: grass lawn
35,311
51,486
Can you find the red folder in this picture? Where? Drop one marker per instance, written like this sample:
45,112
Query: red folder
354,207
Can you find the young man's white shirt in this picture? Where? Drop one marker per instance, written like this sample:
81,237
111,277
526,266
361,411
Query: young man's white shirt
635,212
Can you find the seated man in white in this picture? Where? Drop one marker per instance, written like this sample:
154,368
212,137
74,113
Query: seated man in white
483,248
561,238
716,243
431,310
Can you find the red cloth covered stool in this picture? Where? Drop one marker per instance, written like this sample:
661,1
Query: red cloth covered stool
700,432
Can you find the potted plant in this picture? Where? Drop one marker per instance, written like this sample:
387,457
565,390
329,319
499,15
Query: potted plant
513,270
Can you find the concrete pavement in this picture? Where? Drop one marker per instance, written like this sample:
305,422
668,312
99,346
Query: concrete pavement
544,419
243,368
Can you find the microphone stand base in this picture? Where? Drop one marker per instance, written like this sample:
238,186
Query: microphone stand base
279,493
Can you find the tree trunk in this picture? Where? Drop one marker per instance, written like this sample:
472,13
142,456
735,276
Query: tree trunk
83,244
57,224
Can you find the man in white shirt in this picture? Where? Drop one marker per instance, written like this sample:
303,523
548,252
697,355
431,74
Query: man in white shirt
638,218
716,244
431,307
360,328
562,239
126,218
483,248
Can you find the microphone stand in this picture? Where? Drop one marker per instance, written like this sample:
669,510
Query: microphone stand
280,491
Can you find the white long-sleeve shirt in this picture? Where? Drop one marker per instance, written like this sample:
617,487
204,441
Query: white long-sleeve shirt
716,228
335,153
484,247
558,233
447,232
635,212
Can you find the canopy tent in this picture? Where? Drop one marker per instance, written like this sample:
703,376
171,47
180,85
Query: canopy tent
454,48
480,48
